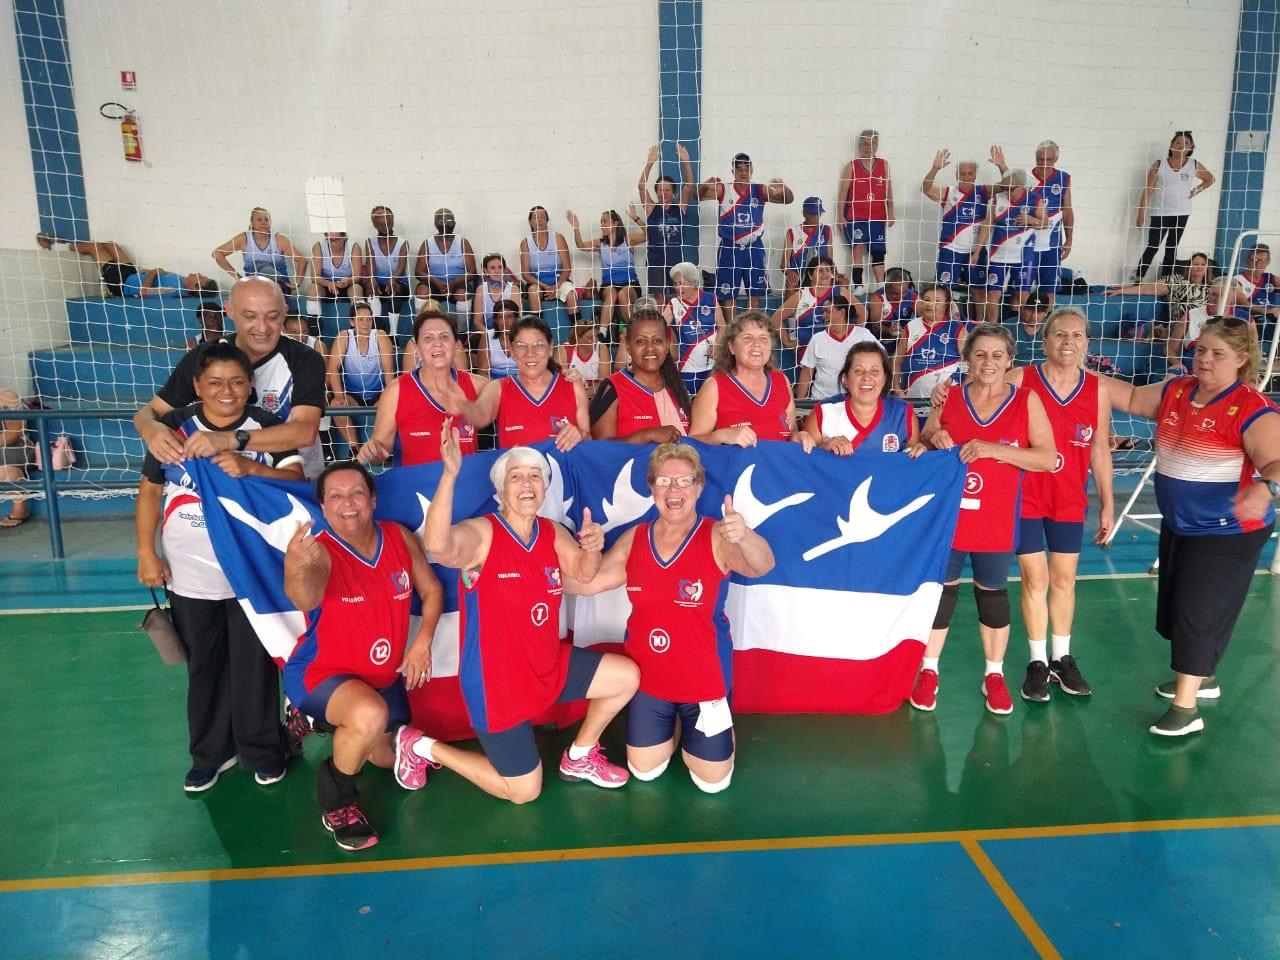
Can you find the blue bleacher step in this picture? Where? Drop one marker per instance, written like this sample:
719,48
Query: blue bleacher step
65,376
131,321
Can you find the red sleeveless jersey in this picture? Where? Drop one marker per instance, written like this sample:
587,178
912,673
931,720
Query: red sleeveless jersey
638,407
868,191
524,419
767,417
513,665
362,625
418,420
678,633
1063,494
989,509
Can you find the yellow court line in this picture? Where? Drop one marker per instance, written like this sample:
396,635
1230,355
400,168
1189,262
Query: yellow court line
511,858
1017,909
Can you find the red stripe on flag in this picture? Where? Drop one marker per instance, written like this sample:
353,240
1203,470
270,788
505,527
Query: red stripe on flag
765,681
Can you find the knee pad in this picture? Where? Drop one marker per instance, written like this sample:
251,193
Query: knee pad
877,258
993,607
706,787
946,606
647,775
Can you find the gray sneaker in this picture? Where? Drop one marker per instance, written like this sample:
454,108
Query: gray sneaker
1209,689
1177,722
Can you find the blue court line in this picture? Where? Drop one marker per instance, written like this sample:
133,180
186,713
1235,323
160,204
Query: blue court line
883,902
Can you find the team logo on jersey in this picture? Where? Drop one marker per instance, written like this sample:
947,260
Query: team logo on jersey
466,431
659,640
724,289
557,423
928,354
889,443
1058,463
944,276
705,310
271,400
400,583
1083,436
972,483
689,591
1208,424
1056,189
553,577
1172,419
1232,411
944,338
539,613
380,651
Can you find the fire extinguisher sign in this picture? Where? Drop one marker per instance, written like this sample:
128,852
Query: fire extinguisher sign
128,80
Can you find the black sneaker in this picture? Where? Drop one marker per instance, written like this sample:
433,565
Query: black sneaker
272,771
350,827
297,727
1036,686
200,779
1067,675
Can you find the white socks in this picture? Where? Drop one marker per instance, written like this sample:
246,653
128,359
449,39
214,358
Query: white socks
577,753
1061,646
995,666
929,663
1039,650
422,747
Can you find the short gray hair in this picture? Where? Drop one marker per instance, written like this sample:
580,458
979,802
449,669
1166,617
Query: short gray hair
688,272
1047,145
518,457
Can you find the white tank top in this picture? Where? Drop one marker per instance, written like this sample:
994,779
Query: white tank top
588,368
1172,196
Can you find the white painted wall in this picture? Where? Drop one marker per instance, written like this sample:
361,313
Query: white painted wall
1269,216
18,219
486,107
793,82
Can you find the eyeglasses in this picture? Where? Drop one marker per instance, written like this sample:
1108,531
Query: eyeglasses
524,346
684,483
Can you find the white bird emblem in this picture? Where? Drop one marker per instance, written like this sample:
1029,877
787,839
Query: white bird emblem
279,532
864,522
554,505
422,527
627,506
753,510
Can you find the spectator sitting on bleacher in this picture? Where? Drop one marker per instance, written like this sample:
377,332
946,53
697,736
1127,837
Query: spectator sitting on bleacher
288,380
446,261
382,266
1027,330
892,306
333,267
114,263
265,253
159,282
361,364
1261,288
1180,350
1186,288
823,358
545,265
619,282
210,315
15,457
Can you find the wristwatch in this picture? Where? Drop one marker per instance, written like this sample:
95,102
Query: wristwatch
1273,488
242,439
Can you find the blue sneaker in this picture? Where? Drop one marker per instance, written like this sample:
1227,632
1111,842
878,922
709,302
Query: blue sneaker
200,779
272,771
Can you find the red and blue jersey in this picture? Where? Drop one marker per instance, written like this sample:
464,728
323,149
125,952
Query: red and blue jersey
931,349
638,406
767,416
524,419
1261,288
868,196
678,633
1062,494
807,242
695,325
362,625
811,312
513,664
962,212
742,213
901,311
1009,235
892,429
989,507
1200,460
419,418
1052,190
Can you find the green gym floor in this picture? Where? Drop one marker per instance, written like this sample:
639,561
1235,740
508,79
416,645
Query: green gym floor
1062,830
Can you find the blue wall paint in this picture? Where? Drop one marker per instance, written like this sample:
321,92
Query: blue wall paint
47,92
680,94
1252,108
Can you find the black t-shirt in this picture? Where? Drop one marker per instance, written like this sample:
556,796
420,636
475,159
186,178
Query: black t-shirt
290,376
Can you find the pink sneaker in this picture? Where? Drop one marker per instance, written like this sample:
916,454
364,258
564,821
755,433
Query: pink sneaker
997,694
410,769
594,767
924,695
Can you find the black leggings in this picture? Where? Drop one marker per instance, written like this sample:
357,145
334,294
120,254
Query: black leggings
1170,228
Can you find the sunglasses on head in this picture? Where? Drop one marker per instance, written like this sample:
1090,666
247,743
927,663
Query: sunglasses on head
1228,323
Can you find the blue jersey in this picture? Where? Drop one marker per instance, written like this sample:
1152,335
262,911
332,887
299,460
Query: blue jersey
1052,191
811,313
900,312
1009,236
332,269
617,264
695,325
742,213
666,235
891,430
362,372
931,350
808,242
268,260
447,265
544,262
962,212
385,266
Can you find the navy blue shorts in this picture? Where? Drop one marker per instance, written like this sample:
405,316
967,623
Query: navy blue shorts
954,270
651,721
868,233
1048,267
1008,276
315,702
1061,536
990,570
740,267
514,752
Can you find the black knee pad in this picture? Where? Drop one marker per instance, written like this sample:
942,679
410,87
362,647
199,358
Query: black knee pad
877,258
993,607
946,606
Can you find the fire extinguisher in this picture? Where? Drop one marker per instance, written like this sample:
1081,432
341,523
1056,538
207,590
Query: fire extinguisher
130,132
